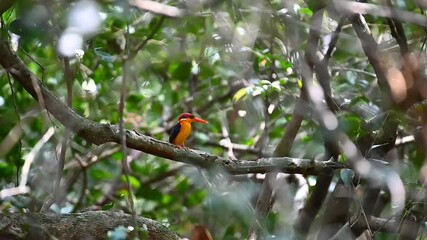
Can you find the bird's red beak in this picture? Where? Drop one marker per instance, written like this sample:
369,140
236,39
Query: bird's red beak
199,120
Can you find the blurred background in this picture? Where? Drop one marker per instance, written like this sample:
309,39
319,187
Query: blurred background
238,65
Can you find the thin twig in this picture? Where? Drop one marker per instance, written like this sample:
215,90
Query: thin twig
67,134
225,132
334,39
150,36
396,29
23,188
83,166
125,165
163,176
57,187
19,127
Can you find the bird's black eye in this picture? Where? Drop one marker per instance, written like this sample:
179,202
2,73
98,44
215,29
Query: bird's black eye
191,116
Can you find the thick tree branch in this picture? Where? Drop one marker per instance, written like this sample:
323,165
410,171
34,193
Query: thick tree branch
90,225
98,133
388,130
370,48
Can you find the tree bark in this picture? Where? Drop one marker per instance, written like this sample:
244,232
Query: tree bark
87,225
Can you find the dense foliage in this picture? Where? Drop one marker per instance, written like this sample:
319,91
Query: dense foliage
242,66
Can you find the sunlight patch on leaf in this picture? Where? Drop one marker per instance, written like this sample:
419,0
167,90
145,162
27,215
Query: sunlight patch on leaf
305,11
299,83
212,54
89,86
195,69
257,91
264,82
240,94
134,182
271,108
276,86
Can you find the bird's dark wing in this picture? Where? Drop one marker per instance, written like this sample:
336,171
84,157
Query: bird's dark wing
174,132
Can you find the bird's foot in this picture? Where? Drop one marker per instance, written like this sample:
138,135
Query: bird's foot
182,147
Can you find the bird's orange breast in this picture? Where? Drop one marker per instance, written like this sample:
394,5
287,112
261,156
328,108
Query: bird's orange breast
183,134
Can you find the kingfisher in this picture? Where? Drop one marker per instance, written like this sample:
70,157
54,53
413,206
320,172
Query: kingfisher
182,130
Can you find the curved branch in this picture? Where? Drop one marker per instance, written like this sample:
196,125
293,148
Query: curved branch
90,225
99,133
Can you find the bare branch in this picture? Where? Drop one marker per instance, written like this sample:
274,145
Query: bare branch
397,31
124,150
67,135
158,8
23,188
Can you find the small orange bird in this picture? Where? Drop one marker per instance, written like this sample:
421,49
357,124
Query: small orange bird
182,130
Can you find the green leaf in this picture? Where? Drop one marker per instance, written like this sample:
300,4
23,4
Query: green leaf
239,94
108,206
305,11
134,182
359,100
167,199
196,197
5,169
183,185
118,156
99,174
150,193
351,125
276,86
285,65
181,71
264,82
